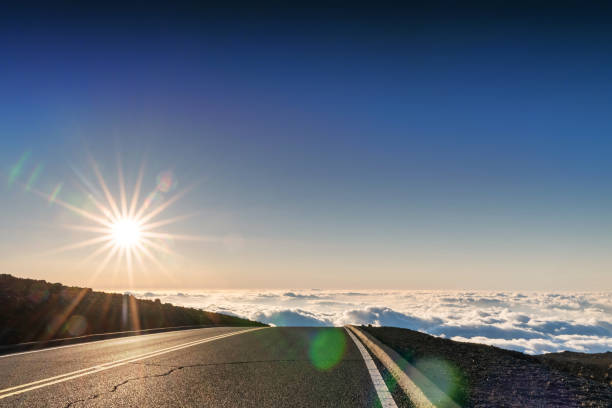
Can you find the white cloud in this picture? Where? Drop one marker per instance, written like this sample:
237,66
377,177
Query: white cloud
531,322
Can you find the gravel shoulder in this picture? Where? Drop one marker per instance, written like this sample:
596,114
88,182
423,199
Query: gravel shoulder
477,375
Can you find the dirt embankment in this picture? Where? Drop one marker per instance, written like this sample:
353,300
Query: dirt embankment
596,366
476,375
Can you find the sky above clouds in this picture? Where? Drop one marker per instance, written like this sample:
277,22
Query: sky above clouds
417,148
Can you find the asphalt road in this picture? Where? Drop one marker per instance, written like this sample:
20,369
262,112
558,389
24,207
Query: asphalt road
210,367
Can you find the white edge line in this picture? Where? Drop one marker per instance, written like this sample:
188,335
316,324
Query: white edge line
84,343
385,397
111,364
407,376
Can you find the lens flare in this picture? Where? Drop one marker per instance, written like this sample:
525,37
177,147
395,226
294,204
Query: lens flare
34,176
17,169
55,193
327,348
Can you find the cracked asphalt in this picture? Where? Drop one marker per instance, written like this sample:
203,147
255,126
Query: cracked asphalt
272,367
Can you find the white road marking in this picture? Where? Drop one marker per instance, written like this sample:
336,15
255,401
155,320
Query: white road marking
7,392
85,343
386,400
420,389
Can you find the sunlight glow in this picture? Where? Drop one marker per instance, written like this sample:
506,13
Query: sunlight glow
123,229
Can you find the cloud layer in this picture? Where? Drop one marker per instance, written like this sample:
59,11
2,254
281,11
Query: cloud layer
530,322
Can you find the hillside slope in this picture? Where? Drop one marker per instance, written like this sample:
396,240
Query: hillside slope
477,375
596,366
36,310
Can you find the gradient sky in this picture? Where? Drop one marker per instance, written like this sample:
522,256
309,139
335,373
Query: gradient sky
425,147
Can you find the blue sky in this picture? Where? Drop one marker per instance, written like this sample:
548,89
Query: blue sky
412,148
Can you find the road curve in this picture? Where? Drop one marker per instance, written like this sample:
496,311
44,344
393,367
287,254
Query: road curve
209,367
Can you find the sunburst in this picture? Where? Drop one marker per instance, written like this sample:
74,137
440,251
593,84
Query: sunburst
124,230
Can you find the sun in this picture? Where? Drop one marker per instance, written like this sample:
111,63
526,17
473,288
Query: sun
125,228
126,233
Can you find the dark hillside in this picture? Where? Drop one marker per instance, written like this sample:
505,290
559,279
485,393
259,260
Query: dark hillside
34,310
596,366
477,375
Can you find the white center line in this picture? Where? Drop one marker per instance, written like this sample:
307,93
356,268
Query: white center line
386,400
7,392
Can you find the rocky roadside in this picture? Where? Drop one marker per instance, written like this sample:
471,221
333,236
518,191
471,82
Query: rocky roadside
476,375
596,366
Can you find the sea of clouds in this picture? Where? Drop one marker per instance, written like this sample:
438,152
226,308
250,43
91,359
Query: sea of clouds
532,322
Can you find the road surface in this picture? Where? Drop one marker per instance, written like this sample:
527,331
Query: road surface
210,367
